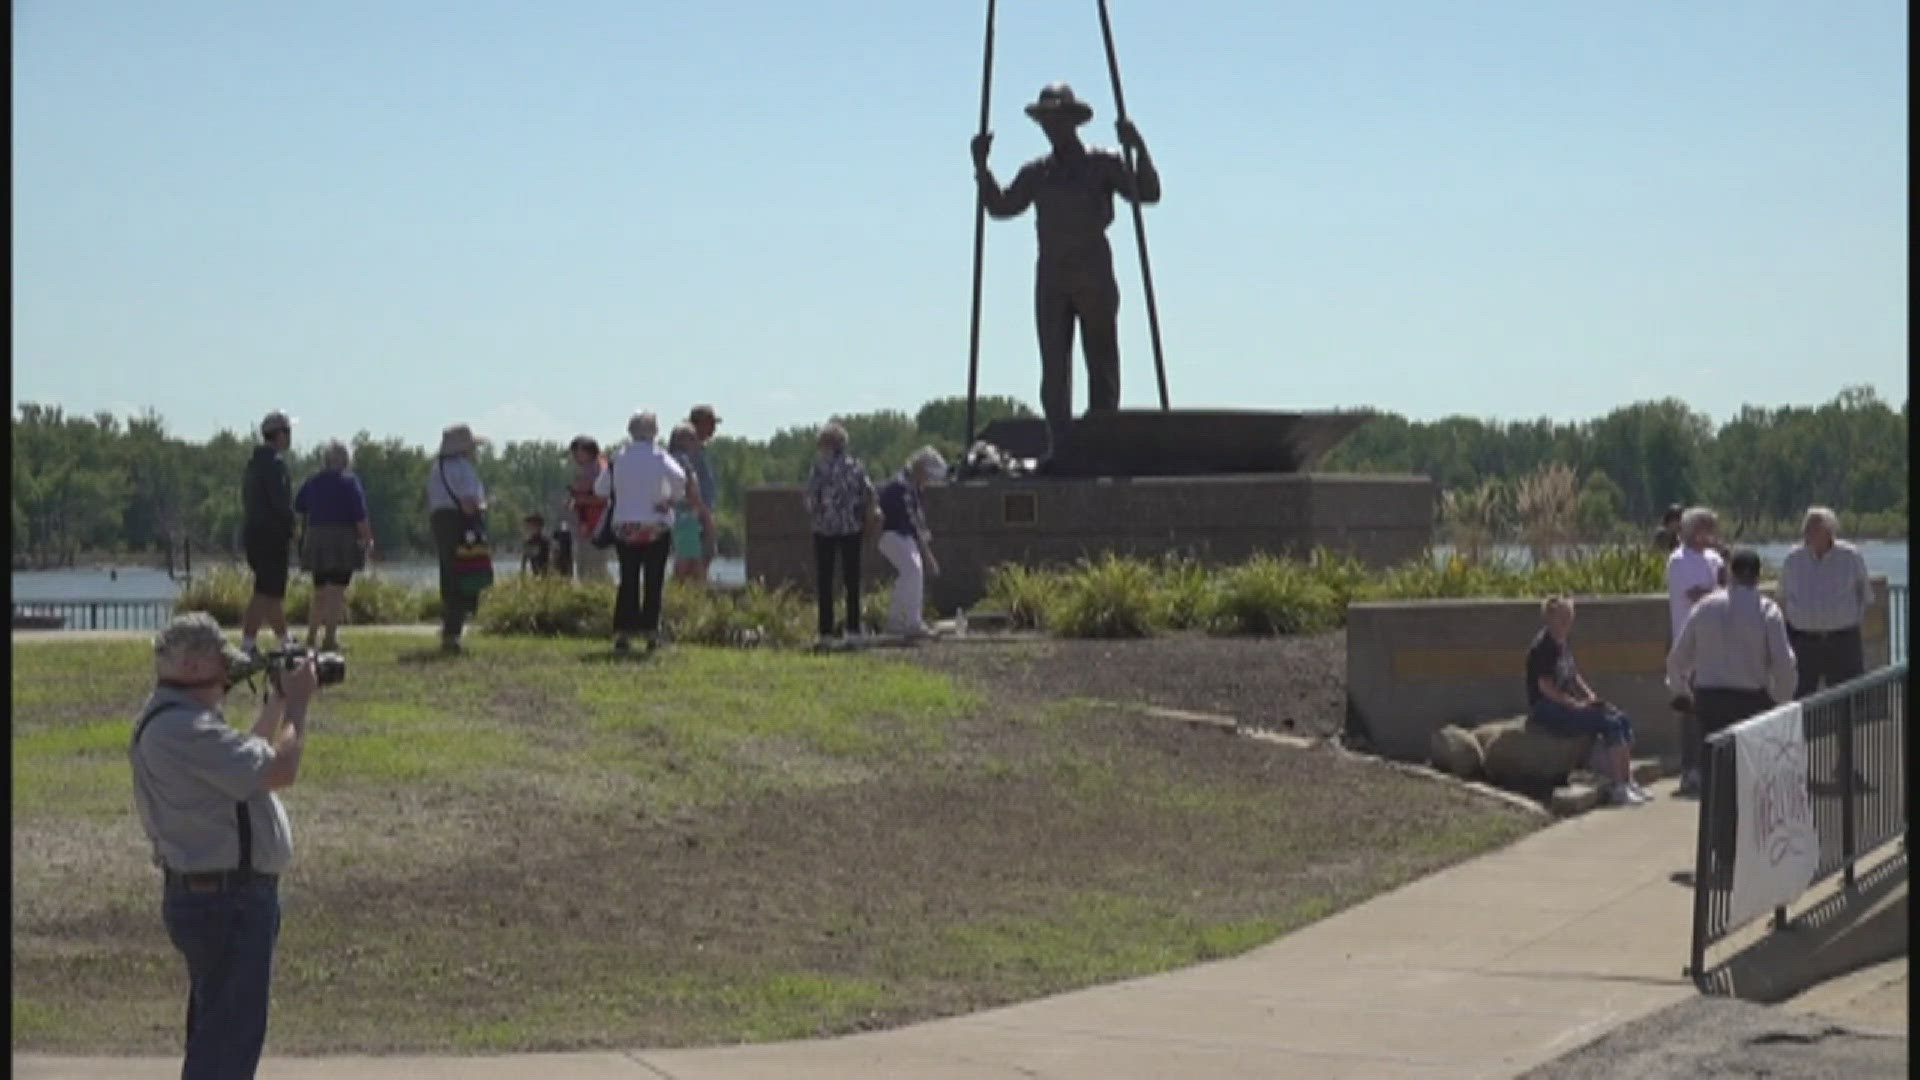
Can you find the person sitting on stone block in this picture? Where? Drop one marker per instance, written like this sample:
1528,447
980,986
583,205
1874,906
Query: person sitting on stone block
1559,700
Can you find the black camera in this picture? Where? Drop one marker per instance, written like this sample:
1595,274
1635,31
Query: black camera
329,667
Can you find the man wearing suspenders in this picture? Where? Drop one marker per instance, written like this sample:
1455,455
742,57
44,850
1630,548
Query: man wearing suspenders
205,795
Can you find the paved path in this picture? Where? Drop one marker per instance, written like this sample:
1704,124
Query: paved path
1482,970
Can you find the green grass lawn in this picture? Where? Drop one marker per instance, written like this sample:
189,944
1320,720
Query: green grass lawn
537,846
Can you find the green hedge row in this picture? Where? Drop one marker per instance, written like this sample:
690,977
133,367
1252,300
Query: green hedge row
1118,596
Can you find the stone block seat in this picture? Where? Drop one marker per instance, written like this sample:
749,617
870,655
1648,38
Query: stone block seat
1512,754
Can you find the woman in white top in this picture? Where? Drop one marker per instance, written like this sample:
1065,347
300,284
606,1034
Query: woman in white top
644,483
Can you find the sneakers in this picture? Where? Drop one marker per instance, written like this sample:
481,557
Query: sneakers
1625,794
1690,784
1634,787
622,643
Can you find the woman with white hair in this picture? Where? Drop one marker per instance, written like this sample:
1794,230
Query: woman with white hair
905,541
335,540
644,482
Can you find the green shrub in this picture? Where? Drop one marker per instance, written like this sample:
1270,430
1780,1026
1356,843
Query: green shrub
1458,577
1027,595
754,615
547,605
1609,571
223,590
1267,595
374,600
1344,576
1109,597
1188,593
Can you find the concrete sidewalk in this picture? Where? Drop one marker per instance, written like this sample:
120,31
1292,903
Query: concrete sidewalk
1483,970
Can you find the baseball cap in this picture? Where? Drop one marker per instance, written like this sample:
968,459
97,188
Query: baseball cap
703,412
196,633
275,421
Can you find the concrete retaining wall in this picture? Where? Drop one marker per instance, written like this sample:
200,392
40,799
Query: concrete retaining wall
1416,666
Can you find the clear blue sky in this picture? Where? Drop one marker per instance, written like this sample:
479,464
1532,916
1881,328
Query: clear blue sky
391,215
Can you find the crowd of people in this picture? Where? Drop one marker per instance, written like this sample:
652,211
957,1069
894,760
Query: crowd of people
644,511
1732,654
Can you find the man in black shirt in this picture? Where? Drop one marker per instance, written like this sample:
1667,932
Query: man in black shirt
266,503
1559,700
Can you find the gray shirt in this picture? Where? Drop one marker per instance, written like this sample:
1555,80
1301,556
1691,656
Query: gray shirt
1825,592
460,475
190,768
703,475
1734,639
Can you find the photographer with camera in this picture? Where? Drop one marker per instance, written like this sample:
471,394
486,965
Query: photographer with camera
205,795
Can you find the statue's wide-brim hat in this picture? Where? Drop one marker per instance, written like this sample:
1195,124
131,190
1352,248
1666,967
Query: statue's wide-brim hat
1058,100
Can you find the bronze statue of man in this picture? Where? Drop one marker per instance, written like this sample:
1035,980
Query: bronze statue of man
1071,191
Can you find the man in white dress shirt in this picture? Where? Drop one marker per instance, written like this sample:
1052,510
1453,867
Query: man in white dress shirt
1695,569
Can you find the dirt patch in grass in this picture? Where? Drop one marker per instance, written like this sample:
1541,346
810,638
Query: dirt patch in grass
833,844
1295,684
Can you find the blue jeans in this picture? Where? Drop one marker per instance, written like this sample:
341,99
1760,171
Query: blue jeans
1607,723
227,937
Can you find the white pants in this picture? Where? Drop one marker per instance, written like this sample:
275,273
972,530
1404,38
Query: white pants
904,553
590,563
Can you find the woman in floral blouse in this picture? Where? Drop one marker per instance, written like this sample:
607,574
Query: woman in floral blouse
840,501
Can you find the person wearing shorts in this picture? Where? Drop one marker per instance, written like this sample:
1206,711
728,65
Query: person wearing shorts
266,503
1559,700
692,518
335,540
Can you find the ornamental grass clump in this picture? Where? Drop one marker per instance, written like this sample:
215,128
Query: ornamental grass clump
1268,595
1109,597
1616,570
548,606
1026,594
1189,594
374,599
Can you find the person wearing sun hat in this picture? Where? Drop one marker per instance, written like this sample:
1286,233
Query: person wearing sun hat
266,532
454,496
1071,190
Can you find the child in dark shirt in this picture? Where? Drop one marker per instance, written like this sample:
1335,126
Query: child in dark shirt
535,551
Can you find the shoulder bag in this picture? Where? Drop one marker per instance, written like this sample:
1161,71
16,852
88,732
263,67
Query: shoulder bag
472,557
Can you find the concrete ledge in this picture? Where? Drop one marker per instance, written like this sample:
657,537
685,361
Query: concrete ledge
1415,666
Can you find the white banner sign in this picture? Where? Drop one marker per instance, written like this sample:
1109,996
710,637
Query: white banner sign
1776,850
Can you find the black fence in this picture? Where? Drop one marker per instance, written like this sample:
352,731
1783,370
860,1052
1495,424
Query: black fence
1897,599
91,614
1856,789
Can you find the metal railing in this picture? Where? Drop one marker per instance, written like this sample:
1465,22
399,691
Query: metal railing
92,614
1856,791
1897,600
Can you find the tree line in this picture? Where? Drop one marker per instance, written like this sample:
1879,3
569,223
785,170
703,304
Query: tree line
98,484
1760,470
93,485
